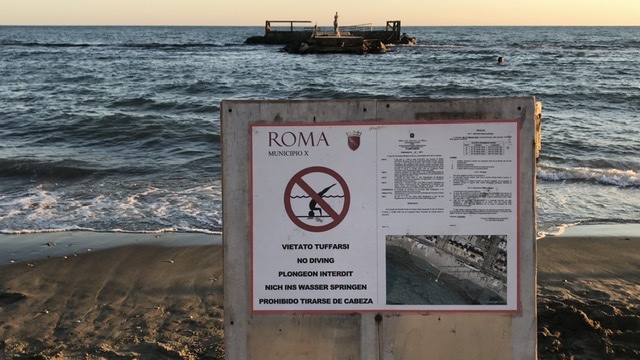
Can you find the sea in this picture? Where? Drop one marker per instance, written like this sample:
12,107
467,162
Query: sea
117,129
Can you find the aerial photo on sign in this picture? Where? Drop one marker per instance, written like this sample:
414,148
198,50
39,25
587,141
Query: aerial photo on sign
446,270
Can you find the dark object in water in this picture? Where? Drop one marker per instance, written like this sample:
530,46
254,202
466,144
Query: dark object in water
407,40
336,45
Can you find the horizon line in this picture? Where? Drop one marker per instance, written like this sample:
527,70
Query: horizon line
262,25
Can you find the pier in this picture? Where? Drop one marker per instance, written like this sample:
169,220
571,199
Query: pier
285,32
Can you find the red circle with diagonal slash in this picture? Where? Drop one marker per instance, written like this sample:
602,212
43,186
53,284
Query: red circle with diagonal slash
337,216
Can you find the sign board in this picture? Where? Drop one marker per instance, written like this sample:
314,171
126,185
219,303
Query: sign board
385,216
379,229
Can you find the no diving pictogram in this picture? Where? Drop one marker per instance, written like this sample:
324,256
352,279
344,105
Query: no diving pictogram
318,204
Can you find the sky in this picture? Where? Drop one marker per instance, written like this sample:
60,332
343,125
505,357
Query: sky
352,12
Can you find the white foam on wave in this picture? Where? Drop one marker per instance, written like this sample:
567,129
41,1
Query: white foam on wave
556,231
145,210
615,177
77,228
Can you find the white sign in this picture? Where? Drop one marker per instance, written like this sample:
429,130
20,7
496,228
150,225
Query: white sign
385,217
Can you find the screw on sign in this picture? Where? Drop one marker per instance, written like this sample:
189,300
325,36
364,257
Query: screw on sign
317,199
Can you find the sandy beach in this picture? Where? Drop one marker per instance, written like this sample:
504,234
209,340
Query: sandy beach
161,297
589,297
139,301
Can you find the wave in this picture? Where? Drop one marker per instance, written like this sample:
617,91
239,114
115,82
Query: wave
121,131
18,43
554,230
147,103
119,203
631,44
78,228
68,169
607,221
60,169
37,44
175,46
610,177
559,230
132,102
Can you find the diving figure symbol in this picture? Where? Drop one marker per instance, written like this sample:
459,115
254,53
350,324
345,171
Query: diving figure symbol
313,205
312,209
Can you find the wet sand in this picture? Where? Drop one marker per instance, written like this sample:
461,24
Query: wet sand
589,297
139,301
134,297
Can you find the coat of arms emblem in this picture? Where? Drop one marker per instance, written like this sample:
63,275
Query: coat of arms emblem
353,139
